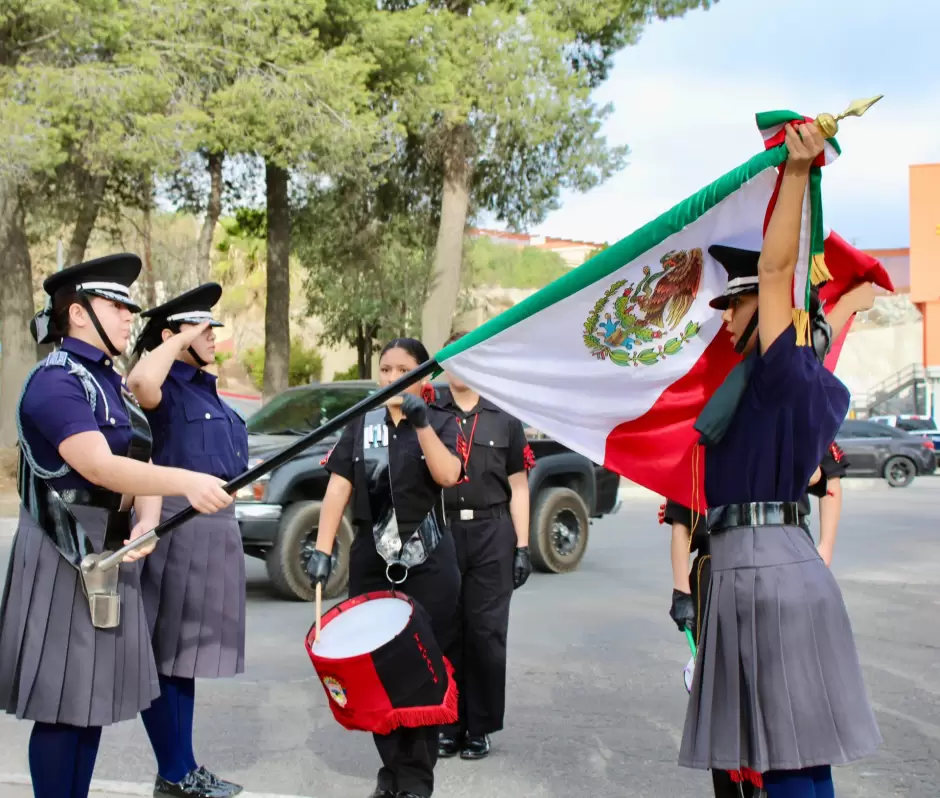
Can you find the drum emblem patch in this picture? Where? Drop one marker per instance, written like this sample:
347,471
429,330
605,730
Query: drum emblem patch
336,690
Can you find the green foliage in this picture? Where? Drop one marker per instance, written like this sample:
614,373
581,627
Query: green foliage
367,263
221,357
352,373
306,364
489,263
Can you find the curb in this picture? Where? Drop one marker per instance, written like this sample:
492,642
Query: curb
125,788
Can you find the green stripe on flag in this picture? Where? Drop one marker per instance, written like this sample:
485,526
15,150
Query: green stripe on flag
769,119
623,252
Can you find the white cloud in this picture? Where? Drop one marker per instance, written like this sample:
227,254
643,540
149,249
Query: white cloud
686,95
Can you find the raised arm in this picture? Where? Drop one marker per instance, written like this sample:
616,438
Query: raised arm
147,377
860,298
782,240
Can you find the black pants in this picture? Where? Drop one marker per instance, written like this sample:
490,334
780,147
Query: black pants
484,554
699,581
410,754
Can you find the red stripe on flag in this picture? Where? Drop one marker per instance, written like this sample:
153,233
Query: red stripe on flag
656,450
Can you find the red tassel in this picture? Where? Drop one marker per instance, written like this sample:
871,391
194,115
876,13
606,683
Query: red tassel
428,393
836,452
746,774
662,513
325,459
528,457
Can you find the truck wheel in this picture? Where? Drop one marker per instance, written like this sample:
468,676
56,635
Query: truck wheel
559,531
296,539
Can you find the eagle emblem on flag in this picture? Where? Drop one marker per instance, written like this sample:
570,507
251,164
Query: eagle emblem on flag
635,324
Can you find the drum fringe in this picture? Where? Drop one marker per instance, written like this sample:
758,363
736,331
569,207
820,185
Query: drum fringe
446,713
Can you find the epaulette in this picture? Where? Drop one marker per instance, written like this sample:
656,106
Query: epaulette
57,358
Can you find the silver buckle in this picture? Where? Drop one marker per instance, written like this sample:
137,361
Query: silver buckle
466,515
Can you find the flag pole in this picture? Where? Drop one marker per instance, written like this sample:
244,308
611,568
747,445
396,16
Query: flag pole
104,561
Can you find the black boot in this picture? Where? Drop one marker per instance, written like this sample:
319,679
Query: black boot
475,747
447,745
379,792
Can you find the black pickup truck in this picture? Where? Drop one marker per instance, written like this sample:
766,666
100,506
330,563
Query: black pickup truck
278,514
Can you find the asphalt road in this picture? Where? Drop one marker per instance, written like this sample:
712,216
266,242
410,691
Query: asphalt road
596,701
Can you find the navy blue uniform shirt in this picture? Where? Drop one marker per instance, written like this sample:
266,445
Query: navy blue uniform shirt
194,429
789,413
55,407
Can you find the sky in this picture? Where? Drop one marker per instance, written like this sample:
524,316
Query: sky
685,98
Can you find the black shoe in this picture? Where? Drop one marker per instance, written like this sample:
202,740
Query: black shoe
447,746
475,747
192,786
407,795
381,793
226,788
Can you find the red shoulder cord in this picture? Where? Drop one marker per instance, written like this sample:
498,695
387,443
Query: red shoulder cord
464,447
662,513
836,452
324,460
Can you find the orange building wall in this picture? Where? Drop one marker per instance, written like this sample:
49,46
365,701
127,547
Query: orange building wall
925,254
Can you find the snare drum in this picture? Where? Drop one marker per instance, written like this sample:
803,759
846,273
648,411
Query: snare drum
380,664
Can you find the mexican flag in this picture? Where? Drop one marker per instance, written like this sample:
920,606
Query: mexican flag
616,359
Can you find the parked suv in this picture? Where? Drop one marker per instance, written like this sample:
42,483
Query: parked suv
877,450
278,515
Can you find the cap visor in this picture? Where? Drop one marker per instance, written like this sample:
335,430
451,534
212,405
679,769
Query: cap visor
114,297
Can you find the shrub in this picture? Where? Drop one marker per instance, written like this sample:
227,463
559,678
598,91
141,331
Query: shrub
306,364
352,373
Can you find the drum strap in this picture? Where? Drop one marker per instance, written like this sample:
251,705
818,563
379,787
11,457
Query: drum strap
399,555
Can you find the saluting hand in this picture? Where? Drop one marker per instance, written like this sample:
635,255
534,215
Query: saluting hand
185,337
521,567
415,410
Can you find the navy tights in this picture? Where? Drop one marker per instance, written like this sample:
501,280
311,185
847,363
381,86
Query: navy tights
807,783
62,759
169,725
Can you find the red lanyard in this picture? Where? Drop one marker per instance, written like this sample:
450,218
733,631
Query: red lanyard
473,430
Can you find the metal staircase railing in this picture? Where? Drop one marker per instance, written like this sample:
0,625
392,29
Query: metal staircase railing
910,376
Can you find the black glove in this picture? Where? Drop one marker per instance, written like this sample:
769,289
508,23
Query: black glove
683,611
415,410
318,568
521,566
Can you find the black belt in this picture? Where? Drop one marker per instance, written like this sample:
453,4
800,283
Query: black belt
728,516
468,514
92,497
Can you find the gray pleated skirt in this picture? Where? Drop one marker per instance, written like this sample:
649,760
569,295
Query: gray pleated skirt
777,685
55,667
194,594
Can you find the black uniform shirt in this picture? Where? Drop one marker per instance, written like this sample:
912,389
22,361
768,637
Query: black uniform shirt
494,448
673,512
414,489
833,466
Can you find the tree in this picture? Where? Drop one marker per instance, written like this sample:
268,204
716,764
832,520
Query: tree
507,114
367,264
304,109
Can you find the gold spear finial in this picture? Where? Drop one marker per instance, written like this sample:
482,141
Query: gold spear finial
829,124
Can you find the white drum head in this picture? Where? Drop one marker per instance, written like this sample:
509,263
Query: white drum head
363,629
